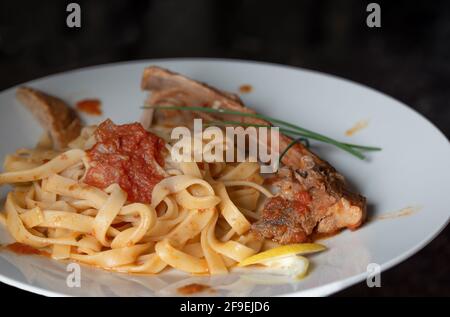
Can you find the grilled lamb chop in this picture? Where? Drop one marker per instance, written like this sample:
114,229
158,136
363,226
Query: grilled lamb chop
313,196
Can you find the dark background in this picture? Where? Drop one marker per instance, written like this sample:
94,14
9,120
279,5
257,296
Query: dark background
407,58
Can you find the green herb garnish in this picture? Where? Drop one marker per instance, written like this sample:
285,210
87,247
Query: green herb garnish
285,127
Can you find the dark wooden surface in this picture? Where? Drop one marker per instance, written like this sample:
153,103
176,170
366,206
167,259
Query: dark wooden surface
407,58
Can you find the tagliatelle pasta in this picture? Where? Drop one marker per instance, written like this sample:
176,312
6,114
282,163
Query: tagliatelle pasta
130,198
198,220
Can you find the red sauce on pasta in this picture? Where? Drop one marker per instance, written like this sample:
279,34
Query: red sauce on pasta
21,248
90,106
126,155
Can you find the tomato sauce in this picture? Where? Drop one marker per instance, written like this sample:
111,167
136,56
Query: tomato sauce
90,106
245,89
301,201
192,289
21,248
126,155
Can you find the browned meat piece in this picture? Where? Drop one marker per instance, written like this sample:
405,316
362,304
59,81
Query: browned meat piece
327,210
53,114
285,221
174,89
285,218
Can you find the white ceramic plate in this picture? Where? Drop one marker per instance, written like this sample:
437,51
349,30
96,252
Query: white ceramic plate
411,172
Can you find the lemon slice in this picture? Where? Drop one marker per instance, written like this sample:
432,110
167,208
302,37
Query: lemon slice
281,252
294,265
